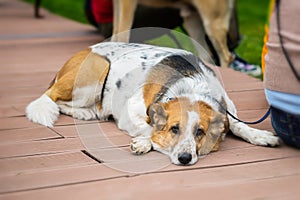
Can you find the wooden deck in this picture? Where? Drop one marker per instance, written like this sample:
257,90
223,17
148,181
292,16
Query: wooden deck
37,162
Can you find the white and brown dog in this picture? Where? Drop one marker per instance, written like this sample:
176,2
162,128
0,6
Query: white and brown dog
166,99
211,17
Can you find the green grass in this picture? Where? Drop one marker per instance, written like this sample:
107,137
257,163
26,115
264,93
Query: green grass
252,16
72,9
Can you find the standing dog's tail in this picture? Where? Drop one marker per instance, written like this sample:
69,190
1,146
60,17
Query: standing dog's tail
43,111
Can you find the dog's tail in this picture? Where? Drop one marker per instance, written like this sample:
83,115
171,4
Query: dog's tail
43,111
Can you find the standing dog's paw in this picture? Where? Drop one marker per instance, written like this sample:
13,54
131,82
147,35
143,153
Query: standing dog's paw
263,138
140,145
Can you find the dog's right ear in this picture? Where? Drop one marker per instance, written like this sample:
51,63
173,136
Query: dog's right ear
157,116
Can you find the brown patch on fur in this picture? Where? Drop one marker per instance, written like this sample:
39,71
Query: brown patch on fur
217,127
164,137
205,112
150,91
82,69
155,81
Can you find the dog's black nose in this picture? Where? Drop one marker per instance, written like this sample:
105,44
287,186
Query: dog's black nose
185,158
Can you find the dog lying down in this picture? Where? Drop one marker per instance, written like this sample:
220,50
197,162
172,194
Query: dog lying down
166,99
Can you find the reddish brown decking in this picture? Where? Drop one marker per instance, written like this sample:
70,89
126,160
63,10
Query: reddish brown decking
51,163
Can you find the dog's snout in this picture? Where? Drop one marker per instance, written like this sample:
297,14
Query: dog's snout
185,158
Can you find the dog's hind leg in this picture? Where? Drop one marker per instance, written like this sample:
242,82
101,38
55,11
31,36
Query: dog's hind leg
77,112
87,89
85,74
44,110
252,135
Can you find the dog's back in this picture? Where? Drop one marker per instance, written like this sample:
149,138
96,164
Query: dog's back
129,67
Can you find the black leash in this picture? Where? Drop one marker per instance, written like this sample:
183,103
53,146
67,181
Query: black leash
239,120
256,122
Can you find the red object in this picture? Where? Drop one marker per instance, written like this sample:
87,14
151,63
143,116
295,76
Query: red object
102,11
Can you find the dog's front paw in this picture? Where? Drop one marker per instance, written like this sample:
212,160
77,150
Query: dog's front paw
264,138
140,145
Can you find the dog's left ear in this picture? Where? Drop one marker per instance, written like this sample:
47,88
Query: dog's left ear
218,125
157,115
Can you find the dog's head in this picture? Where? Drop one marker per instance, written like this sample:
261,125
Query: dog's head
184,130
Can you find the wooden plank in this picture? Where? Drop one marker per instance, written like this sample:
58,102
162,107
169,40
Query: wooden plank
40,147
14,12
30,164
16,136
65,120
20,107
24,80
96,135
44,53
19,94
274,179
9,111
76,38
246,92
109,128
113,162
57,177
249,100
237,85
234,81
16,123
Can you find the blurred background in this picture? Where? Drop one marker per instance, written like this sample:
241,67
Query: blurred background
252,17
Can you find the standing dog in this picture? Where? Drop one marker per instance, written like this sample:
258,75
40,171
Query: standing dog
166,99
200,16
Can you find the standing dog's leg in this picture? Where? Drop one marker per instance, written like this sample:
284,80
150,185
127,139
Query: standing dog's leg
216,23
123,12
195,29
37,5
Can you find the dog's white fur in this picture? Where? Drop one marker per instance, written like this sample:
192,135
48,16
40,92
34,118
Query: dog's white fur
123,97
43,111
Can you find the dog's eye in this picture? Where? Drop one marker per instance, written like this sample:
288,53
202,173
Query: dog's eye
199,132
175,129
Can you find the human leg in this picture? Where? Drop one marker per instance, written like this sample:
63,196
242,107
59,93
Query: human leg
287,126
